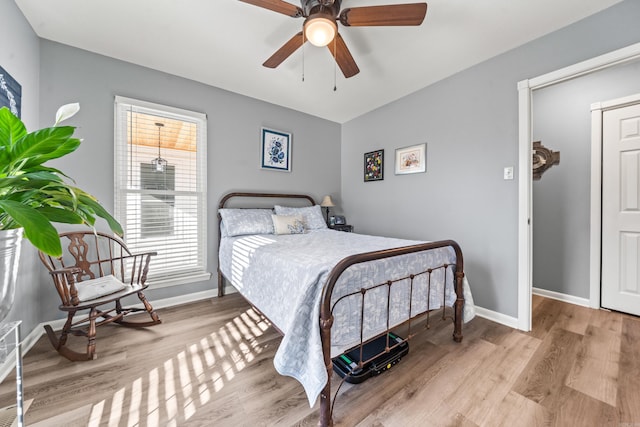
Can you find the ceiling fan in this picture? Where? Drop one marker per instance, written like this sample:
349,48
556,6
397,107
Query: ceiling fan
320,26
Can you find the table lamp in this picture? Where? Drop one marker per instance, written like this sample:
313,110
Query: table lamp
326,204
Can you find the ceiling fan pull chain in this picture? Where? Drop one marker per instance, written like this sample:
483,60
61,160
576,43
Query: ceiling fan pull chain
303,56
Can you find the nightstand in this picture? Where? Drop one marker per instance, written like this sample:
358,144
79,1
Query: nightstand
342,227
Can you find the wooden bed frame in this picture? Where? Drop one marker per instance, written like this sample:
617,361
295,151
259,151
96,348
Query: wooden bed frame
326,316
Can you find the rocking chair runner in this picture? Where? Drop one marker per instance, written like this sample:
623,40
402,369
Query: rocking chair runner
96,270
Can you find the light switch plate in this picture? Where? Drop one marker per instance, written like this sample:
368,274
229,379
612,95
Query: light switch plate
508,172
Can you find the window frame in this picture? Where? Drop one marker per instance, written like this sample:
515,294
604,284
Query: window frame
121,162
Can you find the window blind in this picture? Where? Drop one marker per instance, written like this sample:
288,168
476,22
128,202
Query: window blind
162,209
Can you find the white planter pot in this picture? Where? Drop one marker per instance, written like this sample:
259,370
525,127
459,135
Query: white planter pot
10,242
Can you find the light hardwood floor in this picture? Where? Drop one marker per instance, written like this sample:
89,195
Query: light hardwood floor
210,364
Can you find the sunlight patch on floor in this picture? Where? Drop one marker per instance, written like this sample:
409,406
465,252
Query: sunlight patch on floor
176,388
96,414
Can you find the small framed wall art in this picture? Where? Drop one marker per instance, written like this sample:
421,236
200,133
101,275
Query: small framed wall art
276,150
10,93
412,159
374,166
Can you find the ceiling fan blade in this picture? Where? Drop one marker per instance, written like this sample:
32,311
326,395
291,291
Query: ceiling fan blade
343,57
279,6
393,14
285,51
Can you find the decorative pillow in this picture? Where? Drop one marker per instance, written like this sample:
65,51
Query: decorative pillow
288,224
98,287
311,215
237,222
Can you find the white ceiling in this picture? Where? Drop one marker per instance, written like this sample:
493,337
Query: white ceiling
223,43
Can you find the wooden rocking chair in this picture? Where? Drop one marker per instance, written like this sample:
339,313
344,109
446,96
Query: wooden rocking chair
96,270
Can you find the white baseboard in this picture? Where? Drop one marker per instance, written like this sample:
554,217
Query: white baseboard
494,316
184,299
584,302
512,322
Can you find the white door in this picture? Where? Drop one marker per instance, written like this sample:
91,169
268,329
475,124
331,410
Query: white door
621,209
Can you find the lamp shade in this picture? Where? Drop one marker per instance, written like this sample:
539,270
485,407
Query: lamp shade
319,30
327,202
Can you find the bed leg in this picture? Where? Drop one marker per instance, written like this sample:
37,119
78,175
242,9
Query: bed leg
326,321
457,318
220,284
325,406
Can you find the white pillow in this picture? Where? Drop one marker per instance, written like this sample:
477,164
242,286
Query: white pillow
288,224
311,215
98,287
237,222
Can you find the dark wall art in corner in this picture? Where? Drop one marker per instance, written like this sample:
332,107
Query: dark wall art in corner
374,166
275,151
10,92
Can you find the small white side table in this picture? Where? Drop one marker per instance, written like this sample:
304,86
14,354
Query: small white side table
7,344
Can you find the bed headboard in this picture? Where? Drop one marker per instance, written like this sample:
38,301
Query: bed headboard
259,196
255,196
227,197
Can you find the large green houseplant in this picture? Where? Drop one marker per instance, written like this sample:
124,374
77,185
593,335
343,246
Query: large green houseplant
33,196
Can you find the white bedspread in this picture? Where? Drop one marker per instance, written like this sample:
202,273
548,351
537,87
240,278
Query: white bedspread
283,275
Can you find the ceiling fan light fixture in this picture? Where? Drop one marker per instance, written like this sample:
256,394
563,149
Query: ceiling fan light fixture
319,29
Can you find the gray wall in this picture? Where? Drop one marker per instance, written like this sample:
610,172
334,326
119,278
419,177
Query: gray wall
233,127
470,124
561,199
20,57
234,121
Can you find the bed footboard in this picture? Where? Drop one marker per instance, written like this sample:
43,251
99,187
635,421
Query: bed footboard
326,320
326,309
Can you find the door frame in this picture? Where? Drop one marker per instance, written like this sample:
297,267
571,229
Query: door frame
597,110
525,176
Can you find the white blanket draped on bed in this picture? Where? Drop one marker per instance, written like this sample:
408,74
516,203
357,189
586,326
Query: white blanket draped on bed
283,276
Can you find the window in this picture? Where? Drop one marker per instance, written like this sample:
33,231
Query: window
160,176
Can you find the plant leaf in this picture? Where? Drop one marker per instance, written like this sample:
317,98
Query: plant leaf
44,144
61,215
11,130
37,228
88,200
30,180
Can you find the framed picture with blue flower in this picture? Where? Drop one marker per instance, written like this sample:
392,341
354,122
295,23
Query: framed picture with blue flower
276,150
